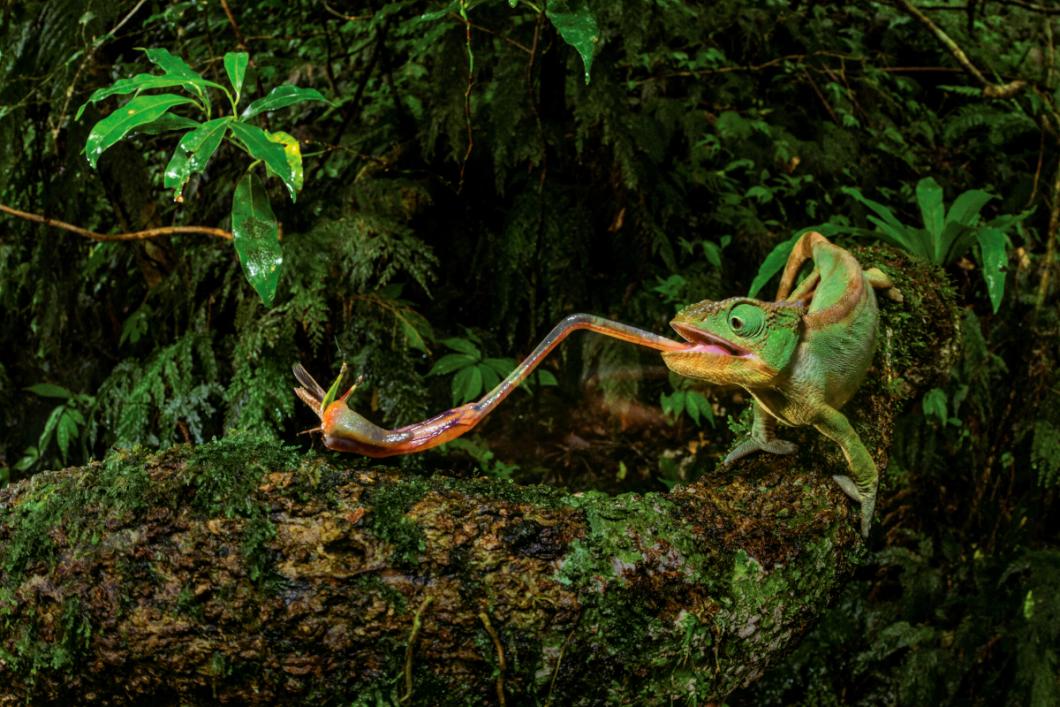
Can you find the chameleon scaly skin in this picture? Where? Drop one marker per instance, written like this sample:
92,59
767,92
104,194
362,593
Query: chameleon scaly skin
801,357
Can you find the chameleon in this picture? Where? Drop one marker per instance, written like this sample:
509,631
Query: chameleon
801,357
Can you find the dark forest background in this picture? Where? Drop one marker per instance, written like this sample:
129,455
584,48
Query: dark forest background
465,188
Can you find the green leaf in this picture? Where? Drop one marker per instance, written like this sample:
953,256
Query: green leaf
140,82
463,346
293,151
966,207
773,264
467,384
503,366
49,427
169,121
281,97
66,430
546,378
50,390
992,258
139,111
490,377
882,211
256,236
929,199
257,143
236,68
697,401
934,404
451,362
29,458
171,64
193,153
577,26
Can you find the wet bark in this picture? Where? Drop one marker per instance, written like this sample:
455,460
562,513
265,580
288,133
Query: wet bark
245,572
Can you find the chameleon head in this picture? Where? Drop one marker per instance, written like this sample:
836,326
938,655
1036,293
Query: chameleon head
738,341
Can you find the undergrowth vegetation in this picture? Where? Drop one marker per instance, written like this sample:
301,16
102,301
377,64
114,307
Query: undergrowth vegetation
466,187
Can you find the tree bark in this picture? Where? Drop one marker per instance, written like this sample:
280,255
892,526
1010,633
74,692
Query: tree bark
243,571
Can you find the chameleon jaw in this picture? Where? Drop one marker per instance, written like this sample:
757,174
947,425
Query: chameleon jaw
704,343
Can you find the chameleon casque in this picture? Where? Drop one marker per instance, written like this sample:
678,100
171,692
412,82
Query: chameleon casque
801,357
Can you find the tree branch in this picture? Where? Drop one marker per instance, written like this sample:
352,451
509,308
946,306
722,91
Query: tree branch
244,572
132,236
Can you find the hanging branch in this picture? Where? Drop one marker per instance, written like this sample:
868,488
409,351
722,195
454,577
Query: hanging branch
990,89
131,236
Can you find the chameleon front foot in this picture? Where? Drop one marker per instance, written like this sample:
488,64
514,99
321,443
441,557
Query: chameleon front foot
866,497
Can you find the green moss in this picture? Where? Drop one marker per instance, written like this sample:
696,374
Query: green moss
390,501
625,531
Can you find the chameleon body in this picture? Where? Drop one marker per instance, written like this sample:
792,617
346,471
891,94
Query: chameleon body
800,357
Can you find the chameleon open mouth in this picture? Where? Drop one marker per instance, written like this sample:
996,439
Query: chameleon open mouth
703,342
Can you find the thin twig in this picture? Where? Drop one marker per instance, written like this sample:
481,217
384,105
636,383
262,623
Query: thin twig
351,18
1031,6
559,661
240,41
501,665
132,236
81,67
467,93
990,89
412,641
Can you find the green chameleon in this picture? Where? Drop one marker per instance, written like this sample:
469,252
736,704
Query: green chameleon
800,357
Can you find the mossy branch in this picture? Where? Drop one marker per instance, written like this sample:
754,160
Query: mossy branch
245,572
130,236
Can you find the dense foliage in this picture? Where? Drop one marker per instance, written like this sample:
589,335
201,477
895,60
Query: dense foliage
466,187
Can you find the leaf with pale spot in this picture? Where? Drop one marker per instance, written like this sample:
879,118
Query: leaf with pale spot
193,153
139,111
257,237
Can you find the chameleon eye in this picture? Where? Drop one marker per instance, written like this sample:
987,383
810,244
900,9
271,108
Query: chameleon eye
746,319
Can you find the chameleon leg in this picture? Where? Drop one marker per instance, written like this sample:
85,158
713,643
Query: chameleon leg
763,438
347,431
863,480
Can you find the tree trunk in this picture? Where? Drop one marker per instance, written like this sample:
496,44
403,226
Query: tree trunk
242,571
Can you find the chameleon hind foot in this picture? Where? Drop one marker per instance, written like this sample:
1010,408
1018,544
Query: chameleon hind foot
750,446
866,498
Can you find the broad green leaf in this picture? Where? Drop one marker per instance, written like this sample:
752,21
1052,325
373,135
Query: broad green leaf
463,346
175,66
50,390
966,207
490,377
236,68
140,82
293,151
929,199
193,153
169,121
577,26
992,259
171,64
139,111
281,97
697,401
882,211
503,366
260,147
773,264
451,362
256,235
467,384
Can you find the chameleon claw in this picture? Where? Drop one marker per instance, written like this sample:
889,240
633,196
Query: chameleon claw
865,498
